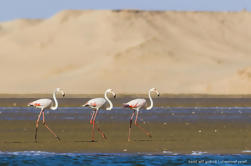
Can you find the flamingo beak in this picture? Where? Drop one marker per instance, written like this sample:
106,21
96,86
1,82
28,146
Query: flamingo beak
63,94
114,96
158,94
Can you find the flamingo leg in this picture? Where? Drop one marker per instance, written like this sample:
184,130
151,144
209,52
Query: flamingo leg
93,125
144,130
101,132
38,118
130,126
92,114
96,127
49,128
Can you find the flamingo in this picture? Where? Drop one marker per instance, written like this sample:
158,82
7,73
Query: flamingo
44,104
96,104
136,105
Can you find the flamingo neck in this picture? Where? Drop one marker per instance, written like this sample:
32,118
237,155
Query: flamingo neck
109,101
151,101
55,101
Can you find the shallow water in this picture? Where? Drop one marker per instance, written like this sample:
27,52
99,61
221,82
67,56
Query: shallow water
189,101
165,114
48,158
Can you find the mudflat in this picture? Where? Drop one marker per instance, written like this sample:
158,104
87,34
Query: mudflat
179,125
178,137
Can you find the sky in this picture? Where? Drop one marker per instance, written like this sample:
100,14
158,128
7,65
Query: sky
14,9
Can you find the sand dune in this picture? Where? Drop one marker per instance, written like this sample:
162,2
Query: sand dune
129,51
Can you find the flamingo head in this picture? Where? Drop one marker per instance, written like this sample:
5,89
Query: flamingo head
61,91
155,90
112,92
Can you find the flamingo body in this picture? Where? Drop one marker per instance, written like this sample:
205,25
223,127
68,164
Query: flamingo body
136,104
41,103
95,103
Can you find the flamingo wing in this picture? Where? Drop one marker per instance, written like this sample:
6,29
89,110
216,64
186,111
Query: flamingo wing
41,103
96,103
136,103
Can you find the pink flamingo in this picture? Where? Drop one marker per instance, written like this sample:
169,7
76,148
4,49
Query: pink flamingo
136,105
44,104
96,104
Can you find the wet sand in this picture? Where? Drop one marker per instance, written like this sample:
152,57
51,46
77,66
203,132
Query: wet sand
178,137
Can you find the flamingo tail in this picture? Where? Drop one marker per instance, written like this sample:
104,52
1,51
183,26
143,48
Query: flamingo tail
30,105
85,105
126,105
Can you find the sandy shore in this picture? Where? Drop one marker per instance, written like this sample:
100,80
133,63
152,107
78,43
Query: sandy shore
177,137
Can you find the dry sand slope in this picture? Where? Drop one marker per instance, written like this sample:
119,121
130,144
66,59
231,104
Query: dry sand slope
129,51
